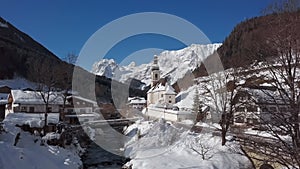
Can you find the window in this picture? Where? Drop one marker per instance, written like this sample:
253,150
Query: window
23,109
161,95
155,76
282,109
273,109
240,109
170,101
239,119
170,97
49,109
251,108
31,109
264,109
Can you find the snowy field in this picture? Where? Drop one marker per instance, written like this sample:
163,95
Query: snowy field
157,145
28,153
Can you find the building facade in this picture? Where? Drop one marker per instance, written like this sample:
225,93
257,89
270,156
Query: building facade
161,99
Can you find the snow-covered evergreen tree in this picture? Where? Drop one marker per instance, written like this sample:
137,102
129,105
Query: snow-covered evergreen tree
196,104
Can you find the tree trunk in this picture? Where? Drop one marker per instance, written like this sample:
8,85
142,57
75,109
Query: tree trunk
223,135
45,123
46,118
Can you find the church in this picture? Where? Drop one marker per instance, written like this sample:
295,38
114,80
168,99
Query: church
161,99
159,94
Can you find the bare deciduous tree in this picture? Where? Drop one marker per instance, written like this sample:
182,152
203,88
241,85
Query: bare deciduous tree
220,94
282,45
44,73
65,75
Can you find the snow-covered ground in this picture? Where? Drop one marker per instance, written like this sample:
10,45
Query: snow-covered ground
17,83
174,64
157,145
28,151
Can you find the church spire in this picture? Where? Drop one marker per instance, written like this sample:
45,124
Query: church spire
155,73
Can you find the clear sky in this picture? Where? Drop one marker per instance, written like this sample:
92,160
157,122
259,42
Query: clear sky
64,26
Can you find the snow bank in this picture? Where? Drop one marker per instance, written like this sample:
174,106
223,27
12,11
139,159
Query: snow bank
160,145
31,119
28,151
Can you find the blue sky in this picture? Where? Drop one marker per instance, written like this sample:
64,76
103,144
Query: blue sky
64,26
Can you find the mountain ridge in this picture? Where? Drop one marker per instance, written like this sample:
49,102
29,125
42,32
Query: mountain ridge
173,64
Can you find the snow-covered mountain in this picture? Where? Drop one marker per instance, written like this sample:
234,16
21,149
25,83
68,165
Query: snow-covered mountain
173,64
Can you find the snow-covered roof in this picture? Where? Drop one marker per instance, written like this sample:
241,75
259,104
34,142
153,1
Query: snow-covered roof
83,99
169,90
138,100
34,97
158,87
268,96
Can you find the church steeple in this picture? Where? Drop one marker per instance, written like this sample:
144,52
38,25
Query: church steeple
155,73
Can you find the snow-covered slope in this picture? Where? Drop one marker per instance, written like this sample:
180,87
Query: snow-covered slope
174,64
28,152
17,83
156,145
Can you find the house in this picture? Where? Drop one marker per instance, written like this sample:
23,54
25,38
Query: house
3,102
138,103
161,99
246,110
79,110
32,102
273,108
256,106
5,89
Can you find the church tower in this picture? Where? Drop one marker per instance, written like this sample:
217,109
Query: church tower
155,74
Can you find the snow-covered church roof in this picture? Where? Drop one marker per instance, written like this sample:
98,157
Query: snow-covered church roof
166,89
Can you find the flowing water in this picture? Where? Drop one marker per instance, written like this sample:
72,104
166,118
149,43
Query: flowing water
106,152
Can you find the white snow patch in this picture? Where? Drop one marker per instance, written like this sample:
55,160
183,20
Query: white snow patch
28,152
162,145
17,83
31,119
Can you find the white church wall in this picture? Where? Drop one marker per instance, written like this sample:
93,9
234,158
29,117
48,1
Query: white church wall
170,115
170,99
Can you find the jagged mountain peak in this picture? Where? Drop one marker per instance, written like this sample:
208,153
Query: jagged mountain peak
173,64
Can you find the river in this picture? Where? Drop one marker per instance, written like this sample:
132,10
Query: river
97,156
